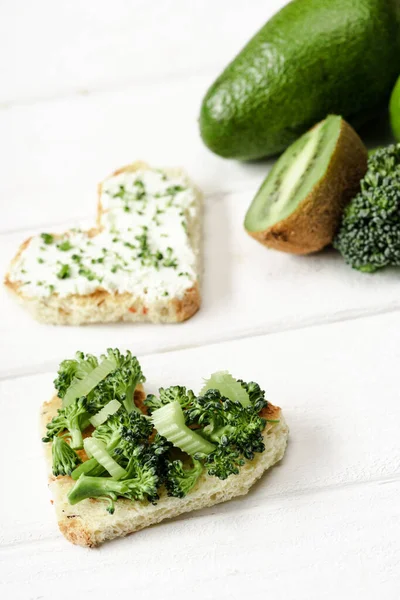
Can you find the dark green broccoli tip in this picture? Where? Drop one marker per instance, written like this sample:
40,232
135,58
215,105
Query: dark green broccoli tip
256,394
236,429
166,395
224,461
64,458
180,480
369,235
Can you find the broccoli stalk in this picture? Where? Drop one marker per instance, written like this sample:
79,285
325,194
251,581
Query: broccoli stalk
64,458
141,482
106,487
369,235
74,418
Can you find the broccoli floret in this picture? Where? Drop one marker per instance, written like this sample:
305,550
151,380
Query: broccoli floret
133,428
224,461
180,480
141,482
166,395
256,394
74,419
369,235
120,434
75,369
120,384
64,457
236,429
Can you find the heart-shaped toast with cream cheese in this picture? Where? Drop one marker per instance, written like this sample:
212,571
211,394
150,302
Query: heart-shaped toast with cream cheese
140,263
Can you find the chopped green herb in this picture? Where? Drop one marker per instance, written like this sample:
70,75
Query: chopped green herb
51,288
184,274
90,275
76,258
40,260
165,293
174,189
120,193
169,261
141,193
64,272
64,246
129,245
47,238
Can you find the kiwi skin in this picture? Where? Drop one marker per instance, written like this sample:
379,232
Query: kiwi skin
313,224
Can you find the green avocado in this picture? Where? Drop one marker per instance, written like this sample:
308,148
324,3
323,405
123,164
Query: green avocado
394,109
313,58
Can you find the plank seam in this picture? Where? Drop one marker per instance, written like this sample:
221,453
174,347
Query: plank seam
342,317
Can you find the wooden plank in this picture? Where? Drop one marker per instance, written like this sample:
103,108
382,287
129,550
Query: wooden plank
248,290
68,48
340,543
339,400
55,153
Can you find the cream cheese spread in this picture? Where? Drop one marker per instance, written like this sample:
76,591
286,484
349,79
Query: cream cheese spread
143,246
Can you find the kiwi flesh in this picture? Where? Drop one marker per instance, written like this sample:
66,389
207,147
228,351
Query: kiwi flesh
299,205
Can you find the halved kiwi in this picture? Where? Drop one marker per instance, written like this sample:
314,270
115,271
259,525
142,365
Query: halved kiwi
298,207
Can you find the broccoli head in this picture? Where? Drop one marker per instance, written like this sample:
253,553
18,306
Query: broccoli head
237,430
120,384
72,370
369,235
166,395
120,434
256,394
180,480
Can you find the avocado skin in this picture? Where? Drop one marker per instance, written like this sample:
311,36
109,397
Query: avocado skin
314,57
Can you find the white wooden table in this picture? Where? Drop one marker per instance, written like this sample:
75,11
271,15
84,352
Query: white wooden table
87,87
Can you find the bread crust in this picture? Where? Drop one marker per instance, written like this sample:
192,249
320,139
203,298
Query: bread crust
313,224
102,306
88,523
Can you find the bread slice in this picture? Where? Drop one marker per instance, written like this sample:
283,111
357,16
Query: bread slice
89,524
102,305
